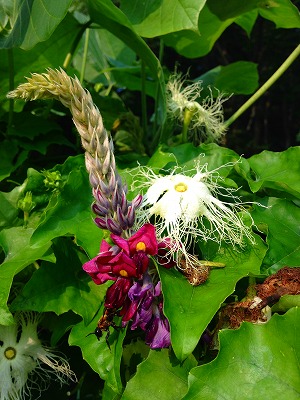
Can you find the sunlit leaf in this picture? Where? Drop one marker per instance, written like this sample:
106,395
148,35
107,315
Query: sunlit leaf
160,375
156,18
190,309
50,53
283,13
281,220
282,174
216,16
33,21
252,363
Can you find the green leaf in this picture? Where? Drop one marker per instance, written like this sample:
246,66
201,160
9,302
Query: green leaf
9,211
108,16
69,211
160,374
240,77
187,154
286,302
19,254
34,21
189,44
61,287
49,54
252,363
104,361
282,219
189,309
105,51
247,21
282,174
216,16
283,13
156,18
10,157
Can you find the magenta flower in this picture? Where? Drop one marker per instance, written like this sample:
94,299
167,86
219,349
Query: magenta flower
116,294
126,259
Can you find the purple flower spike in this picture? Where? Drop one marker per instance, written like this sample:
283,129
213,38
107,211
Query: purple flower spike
158,333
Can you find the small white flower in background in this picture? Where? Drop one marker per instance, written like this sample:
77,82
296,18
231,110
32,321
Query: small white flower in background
206,119
23,359
186,208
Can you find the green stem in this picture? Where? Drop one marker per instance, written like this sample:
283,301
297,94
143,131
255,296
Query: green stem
251,288
10,55
70,55
160,58
188,115
292,57
85,53
143,100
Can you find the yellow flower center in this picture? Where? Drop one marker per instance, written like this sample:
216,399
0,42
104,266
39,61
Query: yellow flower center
123,273
140,246
10,353
181,187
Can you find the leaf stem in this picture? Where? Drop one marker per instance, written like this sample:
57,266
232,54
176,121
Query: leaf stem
188,115
85,53
143,99
75,43
284,66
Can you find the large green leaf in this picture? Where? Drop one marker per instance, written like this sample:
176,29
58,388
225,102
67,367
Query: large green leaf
108,16
156,18
105,361
254,362
160,376
69,211
61,287
190,309
187,154
33,21
48,54
282,172
216,16
105,53
283,13
240,77
190,44
19,254
280,219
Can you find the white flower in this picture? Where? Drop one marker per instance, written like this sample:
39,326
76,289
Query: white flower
22,359
186,208
206,119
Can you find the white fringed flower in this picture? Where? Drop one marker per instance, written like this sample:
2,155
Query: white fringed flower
186,208
206,119
23,359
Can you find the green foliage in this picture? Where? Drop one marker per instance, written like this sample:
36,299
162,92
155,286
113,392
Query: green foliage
252,357
124,56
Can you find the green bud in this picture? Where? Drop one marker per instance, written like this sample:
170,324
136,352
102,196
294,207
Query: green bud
26,204
52,180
